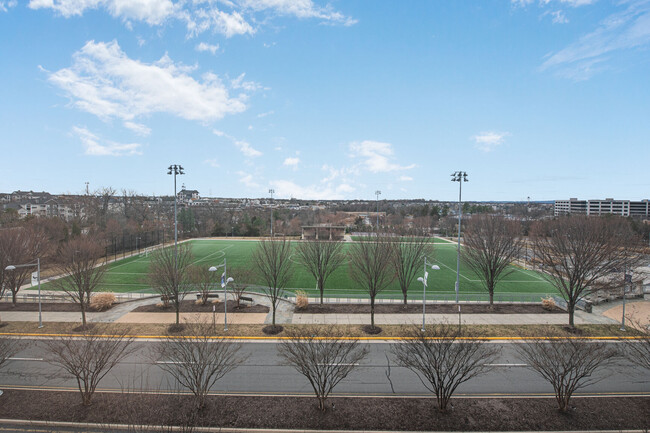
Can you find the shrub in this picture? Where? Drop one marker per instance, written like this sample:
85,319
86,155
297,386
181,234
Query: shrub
102,301
548,303
301,299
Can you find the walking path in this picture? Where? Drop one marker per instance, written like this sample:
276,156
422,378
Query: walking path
123,313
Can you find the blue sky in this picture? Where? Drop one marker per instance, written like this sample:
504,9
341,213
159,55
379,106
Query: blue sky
542,98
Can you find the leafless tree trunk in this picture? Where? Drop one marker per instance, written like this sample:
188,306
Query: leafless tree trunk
90,356
197,361
409,250
444,357
321,258
272,260
491,244
324,358
567,363
169,274
243,277
370,267
200,280
81,270
19,246
578,253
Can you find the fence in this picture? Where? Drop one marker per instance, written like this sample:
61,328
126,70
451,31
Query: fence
129,243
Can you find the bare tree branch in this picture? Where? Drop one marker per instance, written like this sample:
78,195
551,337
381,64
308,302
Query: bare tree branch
168,274
443,358
321,258
409,250
324,358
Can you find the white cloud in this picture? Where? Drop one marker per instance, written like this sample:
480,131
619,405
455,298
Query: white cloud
247,180
92,145
405,178
212,162
291,162
6,5
138,128
268,113
243,146
229,18
376,156
559,17
289,189
621,31
153,12
203,46
104,81
488,141
249,86
299,9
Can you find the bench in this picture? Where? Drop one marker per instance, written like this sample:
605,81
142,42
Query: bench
210,295
246,299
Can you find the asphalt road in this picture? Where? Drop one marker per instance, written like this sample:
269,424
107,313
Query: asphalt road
265,373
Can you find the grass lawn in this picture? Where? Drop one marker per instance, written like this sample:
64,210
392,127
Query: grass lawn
130,274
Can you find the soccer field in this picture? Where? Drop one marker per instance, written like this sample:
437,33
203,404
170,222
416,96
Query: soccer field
130,274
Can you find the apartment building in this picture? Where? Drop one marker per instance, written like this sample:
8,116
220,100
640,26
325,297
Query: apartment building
625,208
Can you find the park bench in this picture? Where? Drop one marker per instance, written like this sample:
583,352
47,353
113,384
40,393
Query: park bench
210,295
246,299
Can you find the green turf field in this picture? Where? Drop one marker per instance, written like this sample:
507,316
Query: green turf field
130,274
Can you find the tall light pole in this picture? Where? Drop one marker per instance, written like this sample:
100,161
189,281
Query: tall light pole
175,170
423,280
38,277
271,191
377,193
224,284
460,177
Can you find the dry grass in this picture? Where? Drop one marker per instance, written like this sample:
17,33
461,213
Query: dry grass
388,331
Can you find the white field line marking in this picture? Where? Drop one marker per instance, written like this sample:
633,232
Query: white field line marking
453,270
25,359
530,274
222,251
139,259
336,363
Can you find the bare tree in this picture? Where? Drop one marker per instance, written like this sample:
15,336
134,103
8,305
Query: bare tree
243,277
323,357
81,271
578,253
272,260
321,258
198,360
200,280
492,243
19,246
90,356
169,274
443,358
637,350
409,250
370,267
567,363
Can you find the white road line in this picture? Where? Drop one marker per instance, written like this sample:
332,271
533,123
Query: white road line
506,365
25,359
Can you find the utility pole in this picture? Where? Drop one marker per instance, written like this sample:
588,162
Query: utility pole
460,177
377,193
271,191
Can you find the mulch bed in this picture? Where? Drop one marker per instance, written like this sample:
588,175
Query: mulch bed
343,413
431,309
190,306
65,307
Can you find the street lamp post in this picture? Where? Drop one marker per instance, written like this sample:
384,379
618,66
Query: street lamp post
224,285
460,177
175,170
377,194
627,279
271,191
423,280
38,278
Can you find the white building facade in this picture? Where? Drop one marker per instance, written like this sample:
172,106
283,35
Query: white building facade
624,208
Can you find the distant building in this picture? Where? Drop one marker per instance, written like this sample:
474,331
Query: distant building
602,207
323,232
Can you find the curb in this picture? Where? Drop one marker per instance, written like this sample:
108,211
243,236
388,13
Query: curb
104,427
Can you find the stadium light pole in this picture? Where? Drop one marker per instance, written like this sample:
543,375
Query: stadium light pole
423,280
224,284
175,169
38,278
460,177
377,194
271,191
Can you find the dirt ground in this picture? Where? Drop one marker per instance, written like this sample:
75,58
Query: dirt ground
431,309
343,413
190,306
638,311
